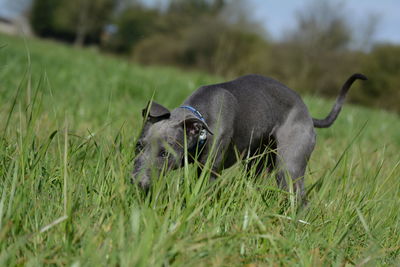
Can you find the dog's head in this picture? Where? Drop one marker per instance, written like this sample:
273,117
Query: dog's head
162,141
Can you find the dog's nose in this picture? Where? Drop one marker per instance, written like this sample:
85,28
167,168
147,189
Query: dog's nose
145,185
141,180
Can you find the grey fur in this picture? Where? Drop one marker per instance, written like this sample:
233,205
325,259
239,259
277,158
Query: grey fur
246,114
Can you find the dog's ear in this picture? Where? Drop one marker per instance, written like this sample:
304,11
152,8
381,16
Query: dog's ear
194,125
155,112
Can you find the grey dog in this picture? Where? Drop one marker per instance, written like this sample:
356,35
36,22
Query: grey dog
234,119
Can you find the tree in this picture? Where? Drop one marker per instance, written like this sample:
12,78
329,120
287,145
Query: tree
133,24
84,17
195,8
41,17
322,25
71,20
316,51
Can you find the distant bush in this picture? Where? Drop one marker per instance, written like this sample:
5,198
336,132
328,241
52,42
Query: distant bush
240,52
211,45
190,45
132,25
160,49
382,66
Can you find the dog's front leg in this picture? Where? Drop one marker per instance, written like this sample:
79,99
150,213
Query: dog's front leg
214,155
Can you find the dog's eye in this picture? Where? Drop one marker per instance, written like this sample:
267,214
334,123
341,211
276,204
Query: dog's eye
163,153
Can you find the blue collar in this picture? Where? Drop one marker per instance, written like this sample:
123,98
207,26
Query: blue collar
195,112
202,141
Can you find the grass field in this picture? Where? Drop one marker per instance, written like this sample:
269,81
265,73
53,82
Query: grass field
68,123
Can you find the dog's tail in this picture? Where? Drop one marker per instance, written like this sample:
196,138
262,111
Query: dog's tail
330,119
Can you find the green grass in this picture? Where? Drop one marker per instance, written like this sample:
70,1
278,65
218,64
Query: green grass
68,123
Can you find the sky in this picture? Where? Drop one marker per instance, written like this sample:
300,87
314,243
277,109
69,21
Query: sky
278,16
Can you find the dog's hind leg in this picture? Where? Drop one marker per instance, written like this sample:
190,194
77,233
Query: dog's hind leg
295,143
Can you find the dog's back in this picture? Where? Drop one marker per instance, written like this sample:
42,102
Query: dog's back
256,102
